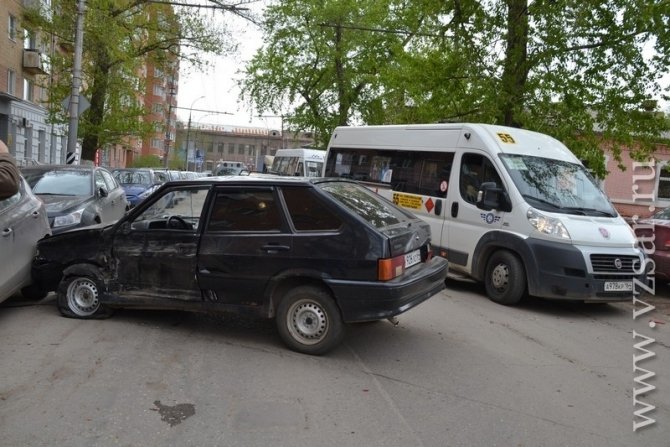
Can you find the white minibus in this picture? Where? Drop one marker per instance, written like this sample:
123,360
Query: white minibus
512,208
298,162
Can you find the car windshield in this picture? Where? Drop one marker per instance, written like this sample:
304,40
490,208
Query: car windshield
133,178
62,183
370,206
557,186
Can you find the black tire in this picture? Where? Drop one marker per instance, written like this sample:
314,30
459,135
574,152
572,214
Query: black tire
309,321
78,296
505,278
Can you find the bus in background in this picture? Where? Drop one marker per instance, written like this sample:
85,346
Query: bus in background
511,208
298,162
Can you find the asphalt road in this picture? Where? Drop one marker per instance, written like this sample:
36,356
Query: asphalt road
459,370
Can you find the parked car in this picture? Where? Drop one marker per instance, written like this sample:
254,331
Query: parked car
311,253
77,196
139,183
654,234
231,168
23,221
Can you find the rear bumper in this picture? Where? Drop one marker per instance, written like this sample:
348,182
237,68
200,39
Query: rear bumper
376,300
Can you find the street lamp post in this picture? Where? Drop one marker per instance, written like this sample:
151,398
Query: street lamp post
188,130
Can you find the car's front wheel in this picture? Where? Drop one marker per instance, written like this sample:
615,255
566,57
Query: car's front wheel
79,297
309,321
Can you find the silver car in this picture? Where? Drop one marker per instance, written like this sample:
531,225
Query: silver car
23,221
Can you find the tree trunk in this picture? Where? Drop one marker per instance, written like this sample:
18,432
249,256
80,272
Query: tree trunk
515,70
96,113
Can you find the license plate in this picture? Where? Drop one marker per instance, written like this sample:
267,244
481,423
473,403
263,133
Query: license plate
618,286
412,258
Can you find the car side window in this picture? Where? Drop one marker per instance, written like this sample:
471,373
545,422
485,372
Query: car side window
10,201
251,209
175,209
100,182
308,212
111,183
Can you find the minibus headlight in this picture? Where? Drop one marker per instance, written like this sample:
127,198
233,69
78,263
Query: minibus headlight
547,225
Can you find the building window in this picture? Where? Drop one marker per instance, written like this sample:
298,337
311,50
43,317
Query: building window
664,183
231,148
11,82
157,108
159,91
240,149
29,42
28,90
12,27
157,143
252,149
220,148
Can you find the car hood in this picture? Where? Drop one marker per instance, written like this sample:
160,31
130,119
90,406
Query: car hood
86,243
58,204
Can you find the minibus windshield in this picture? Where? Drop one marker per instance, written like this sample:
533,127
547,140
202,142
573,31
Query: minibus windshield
557,186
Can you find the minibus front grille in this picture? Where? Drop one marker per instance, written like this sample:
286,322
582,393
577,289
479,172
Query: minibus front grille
615,264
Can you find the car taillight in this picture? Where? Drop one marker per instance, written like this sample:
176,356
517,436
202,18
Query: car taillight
390,268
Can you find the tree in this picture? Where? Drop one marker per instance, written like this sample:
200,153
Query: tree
583,72
120,38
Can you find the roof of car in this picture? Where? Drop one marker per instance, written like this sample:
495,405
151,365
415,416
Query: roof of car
60,168
257,179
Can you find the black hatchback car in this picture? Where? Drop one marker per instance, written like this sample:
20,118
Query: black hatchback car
313,254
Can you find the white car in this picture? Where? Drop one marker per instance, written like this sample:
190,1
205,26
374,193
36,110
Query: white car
23,221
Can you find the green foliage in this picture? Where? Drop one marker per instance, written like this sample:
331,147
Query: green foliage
122,39
146,161
584,72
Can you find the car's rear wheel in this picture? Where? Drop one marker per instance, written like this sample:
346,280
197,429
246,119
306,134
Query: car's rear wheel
309,321
505,279
79,297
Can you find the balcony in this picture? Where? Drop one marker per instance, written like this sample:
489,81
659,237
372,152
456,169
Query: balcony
32,62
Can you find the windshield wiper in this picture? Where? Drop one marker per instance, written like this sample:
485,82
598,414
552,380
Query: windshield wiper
543,201
588,210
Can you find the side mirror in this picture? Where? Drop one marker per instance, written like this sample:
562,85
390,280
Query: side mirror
125,228
490,197
103,192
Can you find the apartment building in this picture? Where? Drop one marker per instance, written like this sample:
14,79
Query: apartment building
209,144
23,73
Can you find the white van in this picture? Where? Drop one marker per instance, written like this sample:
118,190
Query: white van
509,207
298,162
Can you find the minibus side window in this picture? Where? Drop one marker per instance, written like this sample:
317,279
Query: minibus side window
475,170
413,172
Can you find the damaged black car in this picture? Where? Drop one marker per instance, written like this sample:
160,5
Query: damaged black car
312,253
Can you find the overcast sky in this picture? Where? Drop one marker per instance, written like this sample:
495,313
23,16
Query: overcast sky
218,86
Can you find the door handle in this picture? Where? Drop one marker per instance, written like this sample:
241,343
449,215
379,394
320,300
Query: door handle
6,232
454,209
275,248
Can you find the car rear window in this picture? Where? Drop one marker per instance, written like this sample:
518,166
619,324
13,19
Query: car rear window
370,206
307,211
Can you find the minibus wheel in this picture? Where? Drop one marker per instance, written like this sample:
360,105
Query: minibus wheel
505,278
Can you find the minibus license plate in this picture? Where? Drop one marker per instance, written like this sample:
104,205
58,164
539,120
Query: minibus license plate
618,286
412,258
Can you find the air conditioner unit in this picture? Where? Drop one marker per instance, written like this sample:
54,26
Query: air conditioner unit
32,62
